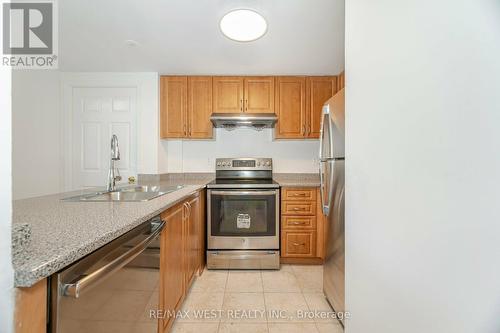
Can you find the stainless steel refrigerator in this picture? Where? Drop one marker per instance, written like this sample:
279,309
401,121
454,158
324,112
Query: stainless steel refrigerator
332,153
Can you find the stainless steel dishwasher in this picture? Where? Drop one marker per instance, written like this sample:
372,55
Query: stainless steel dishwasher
114,289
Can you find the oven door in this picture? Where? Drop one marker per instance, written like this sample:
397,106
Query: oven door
243,219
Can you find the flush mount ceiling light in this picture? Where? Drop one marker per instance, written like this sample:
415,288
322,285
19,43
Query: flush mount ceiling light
243,25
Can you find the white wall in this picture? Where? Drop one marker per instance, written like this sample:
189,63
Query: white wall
39,118
6,271
36,138
199,156
423,166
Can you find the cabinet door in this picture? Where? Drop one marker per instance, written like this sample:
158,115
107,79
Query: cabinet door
319,90
172,263
259,94
228,94
290,107
173,106
202,231
298,243
192,238
200,107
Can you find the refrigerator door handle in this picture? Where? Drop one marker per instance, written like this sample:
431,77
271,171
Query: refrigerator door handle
324,134
326,201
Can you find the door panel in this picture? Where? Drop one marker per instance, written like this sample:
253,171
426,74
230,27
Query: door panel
192,241
290,106
228,94
326,170
200,107
298,243
172,272
334,268
259,94
97,114
320,89
173,107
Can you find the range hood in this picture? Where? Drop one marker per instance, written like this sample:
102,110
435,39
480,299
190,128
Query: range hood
257,121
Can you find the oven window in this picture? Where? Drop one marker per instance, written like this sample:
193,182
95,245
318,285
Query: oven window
243,214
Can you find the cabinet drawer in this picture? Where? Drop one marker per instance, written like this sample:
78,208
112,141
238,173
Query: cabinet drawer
299,194
298,208
298,244
298,222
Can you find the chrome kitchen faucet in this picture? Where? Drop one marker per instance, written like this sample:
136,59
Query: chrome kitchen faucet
114,173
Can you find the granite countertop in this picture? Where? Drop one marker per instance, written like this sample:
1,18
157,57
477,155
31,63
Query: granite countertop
50,234
297,179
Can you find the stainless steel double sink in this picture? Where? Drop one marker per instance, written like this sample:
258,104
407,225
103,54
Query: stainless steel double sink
129,194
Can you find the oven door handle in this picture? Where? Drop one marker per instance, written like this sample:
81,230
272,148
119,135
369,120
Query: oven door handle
269,192
74,289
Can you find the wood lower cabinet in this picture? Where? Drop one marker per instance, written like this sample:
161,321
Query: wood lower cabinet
172,271
302,226
181,255
192,232
31,308
299,243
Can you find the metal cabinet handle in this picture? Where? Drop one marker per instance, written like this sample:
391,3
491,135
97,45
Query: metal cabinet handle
239,193
241,105
75,288
185,131
298,223
246,103
298,209
299,194
299,244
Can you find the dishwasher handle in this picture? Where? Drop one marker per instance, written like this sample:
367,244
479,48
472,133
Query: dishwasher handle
75,288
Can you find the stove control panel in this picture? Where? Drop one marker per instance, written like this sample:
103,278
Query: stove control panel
244,164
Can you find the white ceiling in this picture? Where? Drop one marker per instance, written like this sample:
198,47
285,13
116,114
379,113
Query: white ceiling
183,37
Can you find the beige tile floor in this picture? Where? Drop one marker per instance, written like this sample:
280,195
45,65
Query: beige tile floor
257,301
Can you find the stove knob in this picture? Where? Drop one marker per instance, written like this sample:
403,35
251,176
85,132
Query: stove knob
218,164
258,163
268,163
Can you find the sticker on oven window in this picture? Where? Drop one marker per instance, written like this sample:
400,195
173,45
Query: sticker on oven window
243,221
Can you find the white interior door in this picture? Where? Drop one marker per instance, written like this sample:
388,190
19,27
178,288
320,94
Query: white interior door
98,113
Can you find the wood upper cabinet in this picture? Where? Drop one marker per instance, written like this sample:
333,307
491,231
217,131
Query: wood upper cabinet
185,107
235,94
199,107
290,107
259,94
172,260
227,94
319,90
173,106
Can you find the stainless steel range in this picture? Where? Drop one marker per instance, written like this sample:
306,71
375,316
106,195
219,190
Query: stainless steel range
243,215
